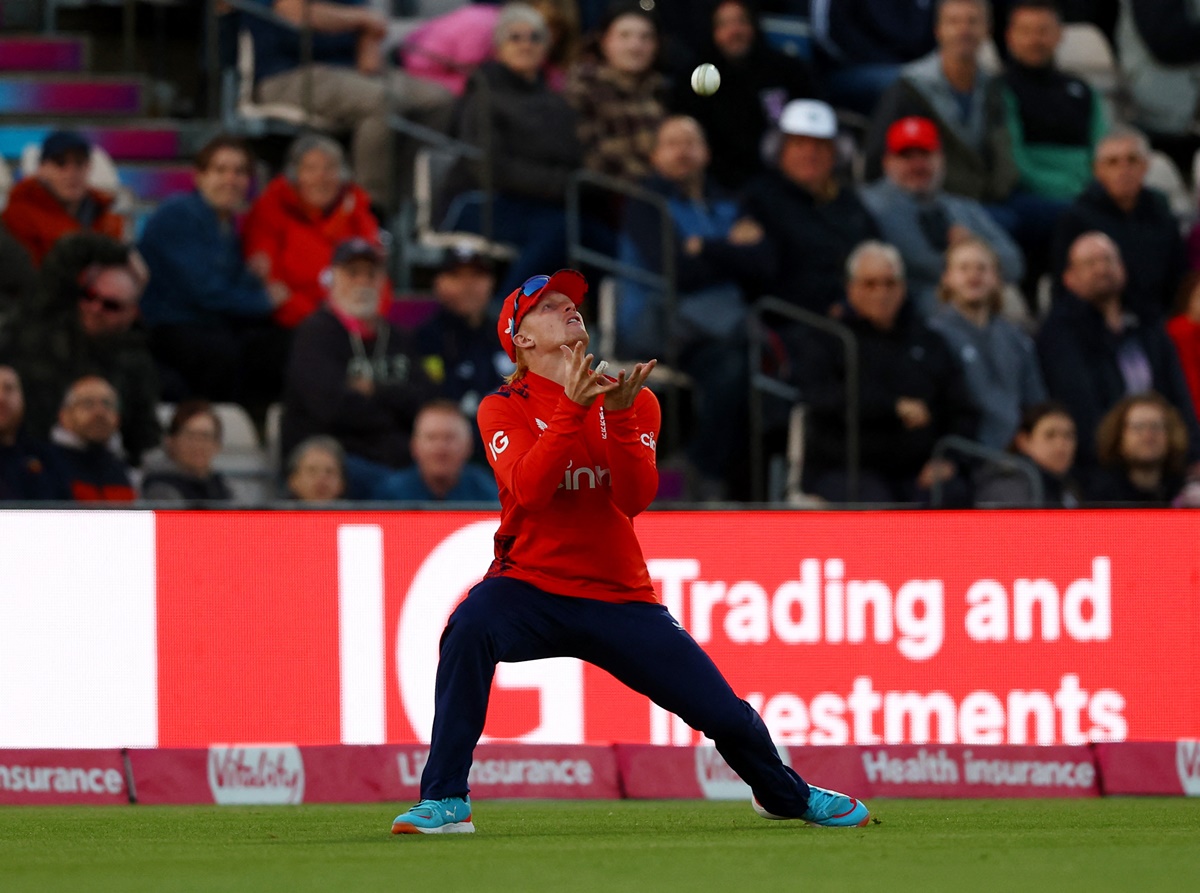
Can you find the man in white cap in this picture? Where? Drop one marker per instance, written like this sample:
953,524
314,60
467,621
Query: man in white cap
811,221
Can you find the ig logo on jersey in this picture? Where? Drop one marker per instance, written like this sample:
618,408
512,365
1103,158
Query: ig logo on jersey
499,444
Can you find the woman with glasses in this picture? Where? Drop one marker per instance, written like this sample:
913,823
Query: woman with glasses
1142,445
528,134
184,472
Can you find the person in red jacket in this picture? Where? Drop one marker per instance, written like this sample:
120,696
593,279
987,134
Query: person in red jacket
1184,329
57,199
293,227
574,455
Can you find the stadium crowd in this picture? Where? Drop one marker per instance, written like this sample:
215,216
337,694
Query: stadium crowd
979,220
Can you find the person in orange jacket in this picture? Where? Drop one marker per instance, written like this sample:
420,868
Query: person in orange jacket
300,217
57,199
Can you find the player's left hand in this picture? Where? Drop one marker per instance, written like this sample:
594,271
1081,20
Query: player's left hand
583,384
626,387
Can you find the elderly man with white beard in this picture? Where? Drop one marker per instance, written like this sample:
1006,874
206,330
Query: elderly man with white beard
353,376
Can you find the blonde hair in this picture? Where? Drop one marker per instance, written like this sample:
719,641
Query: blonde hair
996,298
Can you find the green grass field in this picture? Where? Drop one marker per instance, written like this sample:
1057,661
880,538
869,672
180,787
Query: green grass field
1138,845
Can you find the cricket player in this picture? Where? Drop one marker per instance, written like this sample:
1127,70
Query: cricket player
573,451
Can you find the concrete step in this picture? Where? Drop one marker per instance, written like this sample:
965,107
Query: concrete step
49,95
42,53
150,142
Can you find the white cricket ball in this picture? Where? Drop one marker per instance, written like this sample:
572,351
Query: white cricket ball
706,79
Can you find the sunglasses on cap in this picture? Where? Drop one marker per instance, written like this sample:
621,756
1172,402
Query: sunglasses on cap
108,305
531,287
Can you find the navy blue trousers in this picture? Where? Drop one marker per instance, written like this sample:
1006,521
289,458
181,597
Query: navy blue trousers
639,643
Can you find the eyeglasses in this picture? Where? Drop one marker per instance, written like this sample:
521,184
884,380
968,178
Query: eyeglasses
525,37
107,304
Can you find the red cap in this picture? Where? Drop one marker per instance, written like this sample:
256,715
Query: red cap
567,282
913,133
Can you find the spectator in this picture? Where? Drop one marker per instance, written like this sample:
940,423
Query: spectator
27,472
922,221
530,135
87,324
353,376
1046,439
208,312
998,359
449,47
185,473
1142,444
1136,217
459,348
1184,329
294,225
18,284
619,95
82,441
315,470
347,83
716,253
810,221
860,46
1093,352
965,102
1055,119
1158,49
912,391
57,199
441,472
756,82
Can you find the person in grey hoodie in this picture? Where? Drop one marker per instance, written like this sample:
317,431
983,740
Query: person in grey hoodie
998,359
922,220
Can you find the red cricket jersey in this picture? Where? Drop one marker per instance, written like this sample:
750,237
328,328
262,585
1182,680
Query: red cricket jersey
571,479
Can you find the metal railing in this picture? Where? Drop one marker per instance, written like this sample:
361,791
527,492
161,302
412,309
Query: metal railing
762,384
953,443
664,282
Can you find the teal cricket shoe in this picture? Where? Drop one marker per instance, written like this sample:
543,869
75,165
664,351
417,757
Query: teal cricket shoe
826,809
449,816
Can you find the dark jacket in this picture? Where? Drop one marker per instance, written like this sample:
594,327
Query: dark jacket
18,285
754,90
909,360
1078,353
55,351
1149,240
465,363
872,32
165,481
30,472
1112,485
1001,486
529,130
197,273
93,473
318,398
803,257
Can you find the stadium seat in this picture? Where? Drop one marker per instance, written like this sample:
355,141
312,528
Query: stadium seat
1164,176
1085,51
241,111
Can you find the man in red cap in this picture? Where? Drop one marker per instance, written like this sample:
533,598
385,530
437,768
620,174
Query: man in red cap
573,453
921,219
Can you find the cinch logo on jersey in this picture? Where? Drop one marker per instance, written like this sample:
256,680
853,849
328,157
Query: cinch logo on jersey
648,440
590,477
60,779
